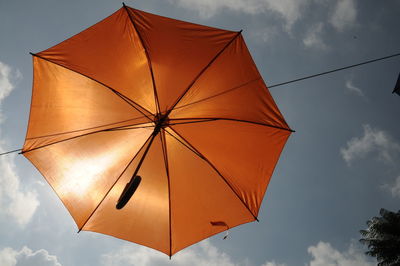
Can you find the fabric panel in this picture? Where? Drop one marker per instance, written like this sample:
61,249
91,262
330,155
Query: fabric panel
199,196
232,88
82,170
178,51
66,104
145,218
245,154
111,53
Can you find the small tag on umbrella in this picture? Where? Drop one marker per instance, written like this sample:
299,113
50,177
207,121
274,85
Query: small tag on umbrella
222,223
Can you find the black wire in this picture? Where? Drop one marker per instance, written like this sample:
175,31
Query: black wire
7,152
296,80
334,70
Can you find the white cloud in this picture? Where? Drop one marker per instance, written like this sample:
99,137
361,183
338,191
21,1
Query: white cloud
373,141
313,37
323,254
202,254
273,263
8,78
14,202
8,257
264,35
289,10
26,257
353,89
205,254
344,15
394,188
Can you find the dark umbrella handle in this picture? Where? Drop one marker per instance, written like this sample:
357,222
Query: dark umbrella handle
128,191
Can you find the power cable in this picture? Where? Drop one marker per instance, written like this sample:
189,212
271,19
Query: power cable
295,80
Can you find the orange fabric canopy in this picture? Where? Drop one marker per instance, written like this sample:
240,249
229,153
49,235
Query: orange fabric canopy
180,104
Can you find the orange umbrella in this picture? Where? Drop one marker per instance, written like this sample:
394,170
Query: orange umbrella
181,105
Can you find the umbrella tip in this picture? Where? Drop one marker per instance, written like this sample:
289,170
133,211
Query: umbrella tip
123,4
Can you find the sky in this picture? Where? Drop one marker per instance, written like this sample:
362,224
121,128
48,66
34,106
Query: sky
336,171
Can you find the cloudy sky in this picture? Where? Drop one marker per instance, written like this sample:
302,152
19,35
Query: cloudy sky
338,169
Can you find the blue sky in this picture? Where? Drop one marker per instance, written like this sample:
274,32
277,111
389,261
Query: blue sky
336,171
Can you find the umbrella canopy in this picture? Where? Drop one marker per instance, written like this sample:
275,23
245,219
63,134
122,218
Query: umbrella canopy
181,105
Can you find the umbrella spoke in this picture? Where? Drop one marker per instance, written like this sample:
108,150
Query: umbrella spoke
193,149
89,128
83,135
202,120
130,127
216,95
157,102
184,144
183,122
165,153
201,72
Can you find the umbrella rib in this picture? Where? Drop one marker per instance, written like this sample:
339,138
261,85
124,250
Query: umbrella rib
129,128
202,71
74,137
184,144
217,171
115,182
218,94
78,130
147,56
192,122
165,152
123,97
208,119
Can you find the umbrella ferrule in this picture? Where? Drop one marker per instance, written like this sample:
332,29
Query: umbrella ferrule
161,121
157,129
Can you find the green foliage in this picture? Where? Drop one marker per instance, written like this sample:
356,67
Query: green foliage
383,238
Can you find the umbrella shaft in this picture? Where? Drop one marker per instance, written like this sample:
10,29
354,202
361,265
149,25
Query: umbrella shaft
153,135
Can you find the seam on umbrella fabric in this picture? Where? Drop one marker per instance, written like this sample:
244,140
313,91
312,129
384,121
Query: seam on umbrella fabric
165,152
148,59
216,170
209,119
202,71
218,94
78,130
120,95
74,137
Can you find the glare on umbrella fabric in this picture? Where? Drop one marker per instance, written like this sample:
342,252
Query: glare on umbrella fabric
180,104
